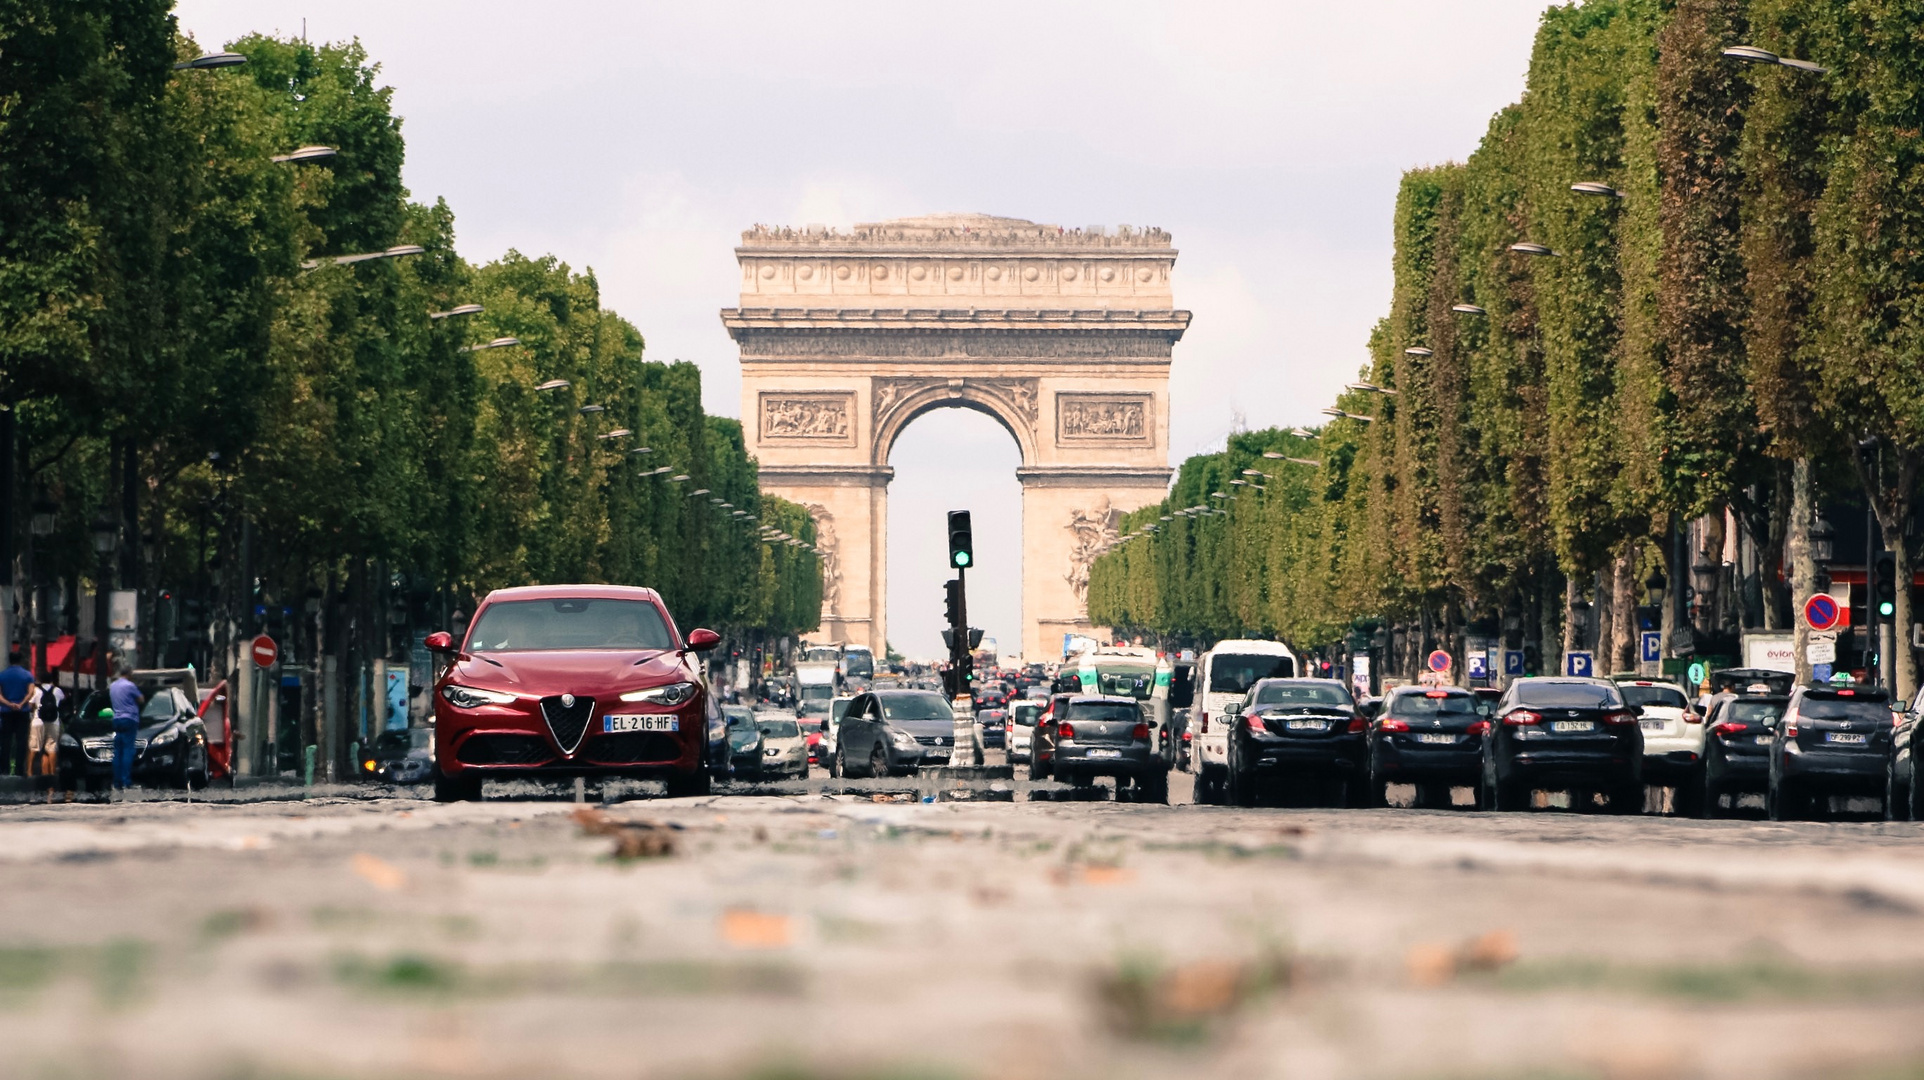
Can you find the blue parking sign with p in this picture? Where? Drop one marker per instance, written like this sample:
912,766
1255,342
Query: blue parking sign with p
1479,665
1512,662
1652,652
1577,664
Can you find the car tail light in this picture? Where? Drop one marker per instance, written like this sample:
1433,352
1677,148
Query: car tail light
1728,727
1205,723
1358,725
1140,731
1520,718
1480,727
1065,730
1620,718
1392,725
1255,724
1436,693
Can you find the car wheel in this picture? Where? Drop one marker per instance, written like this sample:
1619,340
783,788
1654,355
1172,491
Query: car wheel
1627,799
1781,803
1913,794
1893,809
1153,787
196,766
1237,788
1710,802
464,788
688,785
1035,767
840,766
878,761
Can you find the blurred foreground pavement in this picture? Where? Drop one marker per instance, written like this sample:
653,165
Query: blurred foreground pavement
806,936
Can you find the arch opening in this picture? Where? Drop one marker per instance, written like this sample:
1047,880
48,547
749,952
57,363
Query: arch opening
953,455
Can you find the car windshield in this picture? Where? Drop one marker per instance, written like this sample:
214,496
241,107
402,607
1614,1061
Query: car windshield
779,729
1665,697
393,740
1835,709
1302,693
1103,711
916,707
1753,712
579,623
738,714
1024,715
1135,682
1236,673
1562,695
1433,703
160,704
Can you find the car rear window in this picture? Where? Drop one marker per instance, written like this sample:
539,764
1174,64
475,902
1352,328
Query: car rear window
1236,673
1302,693
1025,715
1836,709
569,623
1753,712
1568,696
1665,697
1094,711
1446,704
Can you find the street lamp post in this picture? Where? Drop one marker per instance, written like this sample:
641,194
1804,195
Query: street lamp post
106,537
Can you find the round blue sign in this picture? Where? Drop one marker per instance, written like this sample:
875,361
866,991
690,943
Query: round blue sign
1821,612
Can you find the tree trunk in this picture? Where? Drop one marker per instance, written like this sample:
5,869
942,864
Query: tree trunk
1893,504
1572,627
1710,554
1803,567
1623,610
1778,614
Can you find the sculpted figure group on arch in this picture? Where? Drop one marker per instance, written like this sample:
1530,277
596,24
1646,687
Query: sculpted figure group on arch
1062,336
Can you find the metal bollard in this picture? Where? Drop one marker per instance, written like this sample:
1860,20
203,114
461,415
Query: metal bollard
309,753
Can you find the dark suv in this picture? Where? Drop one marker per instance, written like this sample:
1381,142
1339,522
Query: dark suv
1563,733
1303,733
1832,740
1739,725
1432,738
1108,736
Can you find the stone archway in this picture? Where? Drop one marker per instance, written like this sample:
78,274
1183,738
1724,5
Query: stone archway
1063,336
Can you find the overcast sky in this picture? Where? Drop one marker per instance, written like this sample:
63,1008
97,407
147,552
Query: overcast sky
640,138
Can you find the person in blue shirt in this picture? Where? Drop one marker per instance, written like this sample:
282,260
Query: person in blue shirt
127,701
16,716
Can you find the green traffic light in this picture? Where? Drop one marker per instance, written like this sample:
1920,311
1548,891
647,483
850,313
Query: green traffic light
1886,608
961,558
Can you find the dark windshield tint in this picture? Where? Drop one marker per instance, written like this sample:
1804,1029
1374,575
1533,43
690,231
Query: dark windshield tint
1834,709
738,714
538,625
1667,697
1568,696
1235,674
916,707
1302,693
1025,715
1106,712
1425,705
1753,712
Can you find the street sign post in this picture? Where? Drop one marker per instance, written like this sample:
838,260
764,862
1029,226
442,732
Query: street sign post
1821,652
265,652
1479,665
1697,674
1440,661
1578,664
1822,611
1513,663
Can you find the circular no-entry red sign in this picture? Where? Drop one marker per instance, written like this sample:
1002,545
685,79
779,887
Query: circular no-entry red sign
1439,661
265,651
1821,612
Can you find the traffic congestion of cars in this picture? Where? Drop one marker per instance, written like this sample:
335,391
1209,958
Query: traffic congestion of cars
565,682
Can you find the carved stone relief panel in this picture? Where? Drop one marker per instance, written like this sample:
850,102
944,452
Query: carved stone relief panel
1094,529
831,548
1104,417
828,417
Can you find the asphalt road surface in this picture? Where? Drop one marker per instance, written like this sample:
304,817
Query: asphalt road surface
369,933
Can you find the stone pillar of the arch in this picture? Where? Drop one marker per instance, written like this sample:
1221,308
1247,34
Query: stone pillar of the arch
1061,505
850,505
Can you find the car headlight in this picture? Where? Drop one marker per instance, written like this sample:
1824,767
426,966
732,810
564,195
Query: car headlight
470,697
671,694
903,739
165,737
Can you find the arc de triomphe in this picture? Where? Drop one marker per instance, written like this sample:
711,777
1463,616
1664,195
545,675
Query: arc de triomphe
1064,336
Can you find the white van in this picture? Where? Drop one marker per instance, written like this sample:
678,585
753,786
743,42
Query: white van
1224,675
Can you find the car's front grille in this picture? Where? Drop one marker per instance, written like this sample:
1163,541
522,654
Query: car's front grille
934,740
504,750
632,748
568,721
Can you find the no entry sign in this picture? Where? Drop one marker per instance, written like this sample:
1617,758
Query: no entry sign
265,652
1821,612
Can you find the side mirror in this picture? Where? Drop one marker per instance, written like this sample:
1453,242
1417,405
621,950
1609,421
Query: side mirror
702,639
440,641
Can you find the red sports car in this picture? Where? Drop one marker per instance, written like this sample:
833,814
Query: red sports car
558,681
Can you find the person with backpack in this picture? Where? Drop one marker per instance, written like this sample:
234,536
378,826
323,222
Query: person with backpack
43,738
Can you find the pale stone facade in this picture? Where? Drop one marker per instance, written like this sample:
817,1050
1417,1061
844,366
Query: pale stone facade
1064,336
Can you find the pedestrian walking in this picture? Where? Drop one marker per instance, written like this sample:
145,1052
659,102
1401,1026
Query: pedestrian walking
43,738
127,701
16,698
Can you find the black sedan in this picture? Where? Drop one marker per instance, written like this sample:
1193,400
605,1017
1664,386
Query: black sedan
994,724
1831,741
1432,738
744,742
1739,730
404,756
1576,735
170,746
1297,736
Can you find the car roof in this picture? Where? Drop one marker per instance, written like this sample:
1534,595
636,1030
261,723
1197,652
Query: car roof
1098,699
1252,646
570,592
1408,690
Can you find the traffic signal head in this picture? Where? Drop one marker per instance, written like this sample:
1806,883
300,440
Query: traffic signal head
952,603
961,540
1886,586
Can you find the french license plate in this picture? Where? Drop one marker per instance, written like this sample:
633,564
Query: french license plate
1763,740
1436,738
1845,738
1306,725
1650,725
1573,725
613,722
1105,753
